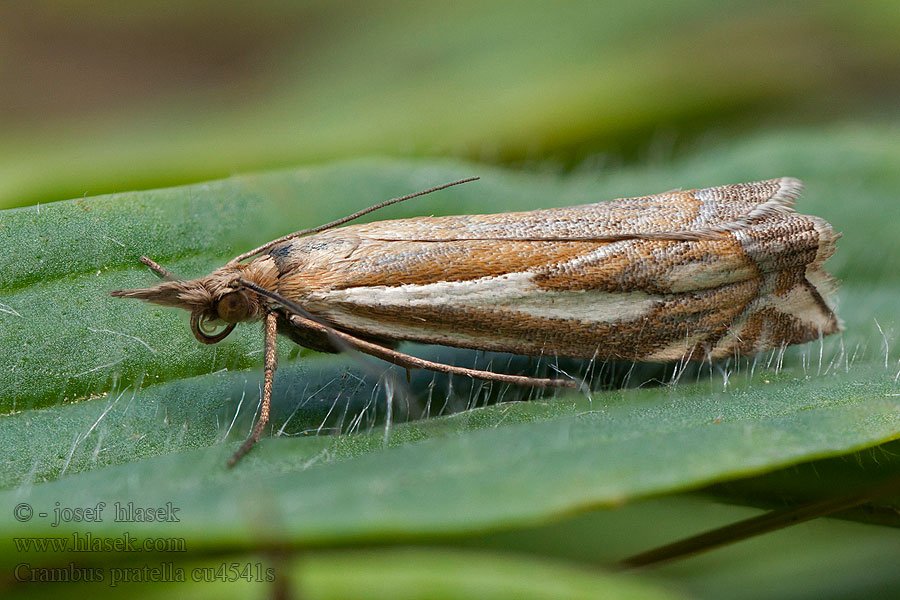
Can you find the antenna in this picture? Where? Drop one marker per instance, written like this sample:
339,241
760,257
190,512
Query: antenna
343,220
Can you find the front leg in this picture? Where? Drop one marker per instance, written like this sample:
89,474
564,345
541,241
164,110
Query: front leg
271,363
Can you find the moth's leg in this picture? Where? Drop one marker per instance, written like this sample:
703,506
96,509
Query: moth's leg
271,363
411,362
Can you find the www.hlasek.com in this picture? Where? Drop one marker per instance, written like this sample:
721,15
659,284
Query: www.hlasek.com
86,542
166,572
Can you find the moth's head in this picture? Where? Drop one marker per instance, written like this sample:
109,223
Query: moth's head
214,301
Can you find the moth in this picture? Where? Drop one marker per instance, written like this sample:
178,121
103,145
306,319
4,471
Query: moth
685,275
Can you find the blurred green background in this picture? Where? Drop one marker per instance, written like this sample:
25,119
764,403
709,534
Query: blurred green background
99,97
568,99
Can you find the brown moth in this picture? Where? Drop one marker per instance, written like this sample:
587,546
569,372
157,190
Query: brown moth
684,275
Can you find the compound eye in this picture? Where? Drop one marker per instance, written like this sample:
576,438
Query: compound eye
233,307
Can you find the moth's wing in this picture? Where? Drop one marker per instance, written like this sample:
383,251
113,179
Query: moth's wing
488,281
698,212
633,299
608,244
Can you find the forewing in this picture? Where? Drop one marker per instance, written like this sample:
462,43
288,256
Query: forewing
700,273
690,214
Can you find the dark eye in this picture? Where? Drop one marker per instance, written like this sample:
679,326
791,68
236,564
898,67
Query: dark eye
233,307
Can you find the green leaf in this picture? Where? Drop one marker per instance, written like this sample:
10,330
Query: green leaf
113,401
418,483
